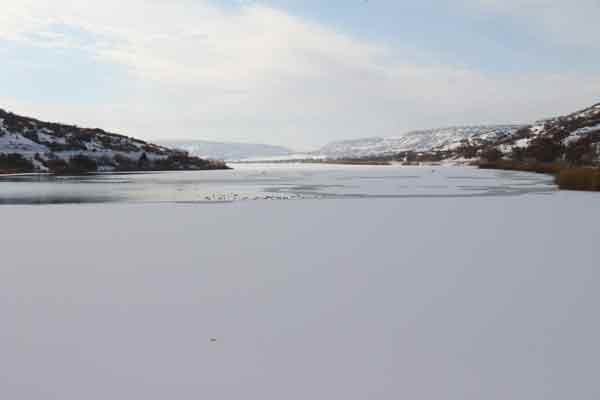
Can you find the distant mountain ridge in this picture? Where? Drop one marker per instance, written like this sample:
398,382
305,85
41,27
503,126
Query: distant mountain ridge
227,151
573,139
418,141
31,145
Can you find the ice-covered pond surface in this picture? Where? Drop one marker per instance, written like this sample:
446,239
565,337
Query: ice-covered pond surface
379,283
257,182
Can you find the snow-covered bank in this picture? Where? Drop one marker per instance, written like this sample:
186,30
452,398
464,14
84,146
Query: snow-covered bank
453,298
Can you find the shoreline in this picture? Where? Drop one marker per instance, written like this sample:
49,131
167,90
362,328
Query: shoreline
567,177
115,172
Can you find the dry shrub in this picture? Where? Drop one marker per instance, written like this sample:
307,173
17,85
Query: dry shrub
579,179
15,163
537,167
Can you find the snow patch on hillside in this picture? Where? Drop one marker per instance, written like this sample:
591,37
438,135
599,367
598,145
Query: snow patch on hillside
17,143
419,141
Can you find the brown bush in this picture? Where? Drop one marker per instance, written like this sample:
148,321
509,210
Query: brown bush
579,179
567,178
81,164
15,163
76,165
492,154
537,167
57,166
544,150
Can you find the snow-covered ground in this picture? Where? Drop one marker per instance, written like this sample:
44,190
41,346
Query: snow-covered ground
428,297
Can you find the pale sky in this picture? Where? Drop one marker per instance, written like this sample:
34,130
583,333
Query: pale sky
296,73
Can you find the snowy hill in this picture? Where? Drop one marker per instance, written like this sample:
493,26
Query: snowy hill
227,151
419,141
30,145
574,138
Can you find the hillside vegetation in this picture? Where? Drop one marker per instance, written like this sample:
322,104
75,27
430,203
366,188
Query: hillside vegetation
29,145
567,147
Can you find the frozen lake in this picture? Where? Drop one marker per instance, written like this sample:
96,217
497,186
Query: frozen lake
376,283
258,182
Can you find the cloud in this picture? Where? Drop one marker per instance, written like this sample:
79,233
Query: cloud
254,73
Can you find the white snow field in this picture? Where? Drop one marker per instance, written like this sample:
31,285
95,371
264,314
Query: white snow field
439,297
